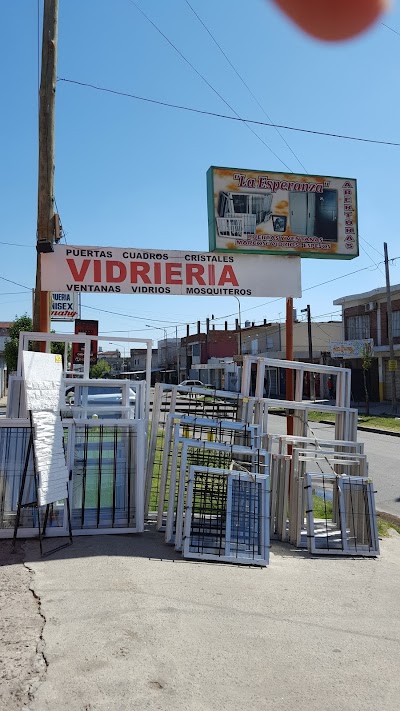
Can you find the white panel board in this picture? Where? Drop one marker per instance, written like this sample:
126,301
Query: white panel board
42,374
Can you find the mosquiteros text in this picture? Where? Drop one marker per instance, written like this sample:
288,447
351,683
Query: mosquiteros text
148,272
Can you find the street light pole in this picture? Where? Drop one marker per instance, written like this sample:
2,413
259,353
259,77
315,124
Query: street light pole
240,324
160,328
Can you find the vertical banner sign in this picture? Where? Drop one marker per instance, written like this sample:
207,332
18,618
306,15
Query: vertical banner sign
89,328
282,213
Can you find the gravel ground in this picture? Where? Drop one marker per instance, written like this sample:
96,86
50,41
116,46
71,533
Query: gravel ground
22,664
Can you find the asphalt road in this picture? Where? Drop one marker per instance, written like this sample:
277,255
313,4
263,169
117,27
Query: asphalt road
383,452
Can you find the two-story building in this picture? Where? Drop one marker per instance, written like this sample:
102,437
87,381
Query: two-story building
365,316
204,350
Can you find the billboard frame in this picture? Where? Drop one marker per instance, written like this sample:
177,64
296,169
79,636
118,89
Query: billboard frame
212,232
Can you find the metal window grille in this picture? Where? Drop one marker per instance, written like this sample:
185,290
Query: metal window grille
14,440
341,516
200,429
186,401
106,477
396,324
358,327
227,516
208,454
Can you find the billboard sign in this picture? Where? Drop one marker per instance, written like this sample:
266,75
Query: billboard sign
90,328
151,271
351,349
282,213
64,306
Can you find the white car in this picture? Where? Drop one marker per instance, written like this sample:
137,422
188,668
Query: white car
192,383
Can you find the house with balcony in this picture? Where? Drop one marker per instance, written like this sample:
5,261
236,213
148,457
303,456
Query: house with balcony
364,316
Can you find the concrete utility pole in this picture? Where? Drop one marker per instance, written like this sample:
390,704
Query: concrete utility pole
390,331
289,356
45,220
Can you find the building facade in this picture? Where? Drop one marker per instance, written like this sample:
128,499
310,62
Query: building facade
365,316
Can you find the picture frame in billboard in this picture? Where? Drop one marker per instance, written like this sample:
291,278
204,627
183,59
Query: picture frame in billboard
263,212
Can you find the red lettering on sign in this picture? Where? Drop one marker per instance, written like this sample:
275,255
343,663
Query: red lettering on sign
211,274
173,273
97,270
228,276
140,270
157,273
119,276
78,275
194,272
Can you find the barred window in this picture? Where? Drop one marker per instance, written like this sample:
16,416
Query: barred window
358,327
396,324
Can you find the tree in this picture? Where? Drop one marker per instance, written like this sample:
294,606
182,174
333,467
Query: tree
366,355
100,369
24,323
21,323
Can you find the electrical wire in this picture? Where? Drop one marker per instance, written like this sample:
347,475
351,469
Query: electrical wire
390,28
244,83
225,116
15,244
369,256
16,283
251,308
205,80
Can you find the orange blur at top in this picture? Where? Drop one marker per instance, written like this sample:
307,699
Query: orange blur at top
333,20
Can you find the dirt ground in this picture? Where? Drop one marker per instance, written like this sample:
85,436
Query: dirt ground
22,664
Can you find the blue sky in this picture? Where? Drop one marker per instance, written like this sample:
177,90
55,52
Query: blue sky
132,174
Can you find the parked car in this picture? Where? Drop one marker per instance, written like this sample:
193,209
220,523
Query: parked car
192,383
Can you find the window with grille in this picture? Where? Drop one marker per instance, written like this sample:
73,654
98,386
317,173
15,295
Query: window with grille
254,346
357,327
396,324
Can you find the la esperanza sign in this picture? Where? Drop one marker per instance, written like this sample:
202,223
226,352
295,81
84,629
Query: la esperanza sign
282,213
150,271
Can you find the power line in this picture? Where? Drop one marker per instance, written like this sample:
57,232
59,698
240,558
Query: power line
15,244
390,28
225,116
372,246
136,318
372,260
205,80
16,283
243,82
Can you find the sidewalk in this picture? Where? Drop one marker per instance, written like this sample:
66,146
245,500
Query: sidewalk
130,626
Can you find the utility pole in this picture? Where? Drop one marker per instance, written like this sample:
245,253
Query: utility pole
289,356
392,361
45,218
310,350
178,367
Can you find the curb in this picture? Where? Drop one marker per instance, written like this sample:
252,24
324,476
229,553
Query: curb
375,430
390,518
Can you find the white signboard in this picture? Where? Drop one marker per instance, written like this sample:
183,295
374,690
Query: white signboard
64,306
150,271
351,349
42,374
